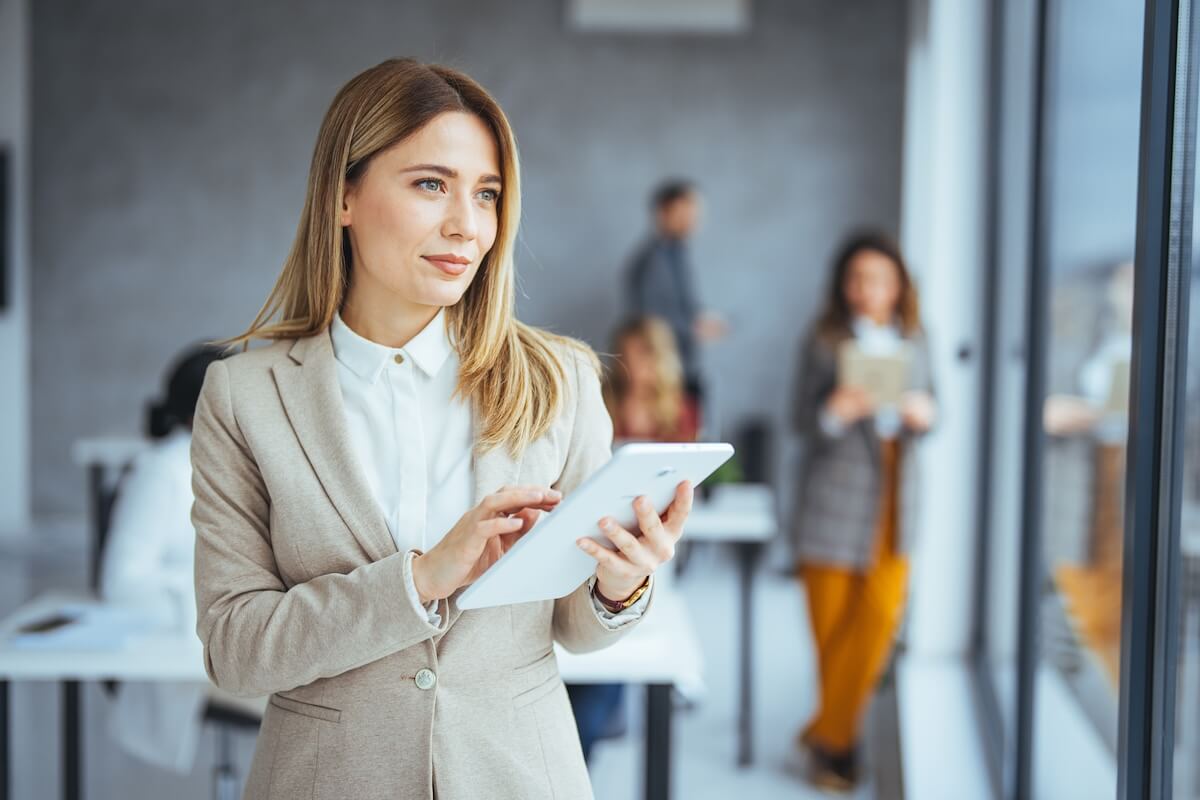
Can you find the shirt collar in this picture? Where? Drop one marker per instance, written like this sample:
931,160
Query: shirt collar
876,339
867,326
428,350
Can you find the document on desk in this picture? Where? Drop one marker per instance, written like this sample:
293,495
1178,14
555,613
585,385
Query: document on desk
79,626
883,376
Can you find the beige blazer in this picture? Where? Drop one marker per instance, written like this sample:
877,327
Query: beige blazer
300,594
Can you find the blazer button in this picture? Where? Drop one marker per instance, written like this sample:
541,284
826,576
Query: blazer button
426,679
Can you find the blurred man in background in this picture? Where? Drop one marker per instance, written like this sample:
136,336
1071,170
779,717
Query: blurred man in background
660,280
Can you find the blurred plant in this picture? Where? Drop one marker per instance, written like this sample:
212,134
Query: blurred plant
729,472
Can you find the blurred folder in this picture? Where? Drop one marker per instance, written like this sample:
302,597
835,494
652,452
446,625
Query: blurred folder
884,377
1117,401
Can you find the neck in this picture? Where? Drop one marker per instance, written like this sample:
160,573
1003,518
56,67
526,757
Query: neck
381,317
879,318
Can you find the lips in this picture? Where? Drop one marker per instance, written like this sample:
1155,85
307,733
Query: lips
450,264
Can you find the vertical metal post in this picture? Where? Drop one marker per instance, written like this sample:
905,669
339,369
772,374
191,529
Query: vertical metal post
72,738
5,723
748,553
1037,287
1151,585
658,741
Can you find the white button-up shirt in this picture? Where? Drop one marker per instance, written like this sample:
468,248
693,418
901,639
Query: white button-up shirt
413,438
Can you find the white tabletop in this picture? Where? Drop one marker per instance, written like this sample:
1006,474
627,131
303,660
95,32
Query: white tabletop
174,656
662,649
736,512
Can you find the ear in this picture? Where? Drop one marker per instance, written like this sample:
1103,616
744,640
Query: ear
346,207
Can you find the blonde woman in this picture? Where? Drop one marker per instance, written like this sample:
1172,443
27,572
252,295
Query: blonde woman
644,391
400,432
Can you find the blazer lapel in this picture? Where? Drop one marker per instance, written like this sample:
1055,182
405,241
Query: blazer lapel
492,469
313,401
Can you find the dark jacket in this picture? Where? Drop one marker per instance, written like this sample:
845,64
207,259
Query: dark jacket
659,284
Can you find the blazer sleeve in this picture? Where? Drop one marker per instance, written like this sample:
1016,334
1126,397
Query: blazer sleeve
260,636
816,376
922,379
577,626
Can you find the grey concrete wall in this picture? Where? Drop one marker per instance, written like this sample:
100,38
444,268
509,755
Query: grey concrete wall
14,320
172,142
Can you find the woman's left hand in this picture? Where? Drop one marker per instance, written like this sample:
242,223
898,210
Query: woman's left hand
620,572
918,410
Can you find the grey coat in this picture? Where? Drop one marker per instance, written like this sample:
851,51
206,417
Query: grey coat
837,503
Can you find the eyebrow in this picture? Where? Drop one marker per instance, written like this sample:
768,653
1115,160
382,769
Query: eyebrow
446,172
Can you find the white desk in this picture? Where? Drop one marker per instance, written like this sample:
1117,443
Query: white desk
743,515
175,657
736,512
155,657
662,653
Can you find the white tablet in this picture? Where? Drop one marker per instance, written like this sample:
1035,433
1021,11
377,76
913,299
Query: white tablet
546,563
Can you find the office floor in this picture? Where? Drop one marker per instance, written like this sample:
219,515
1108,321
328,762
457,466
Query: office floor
705,732
784,685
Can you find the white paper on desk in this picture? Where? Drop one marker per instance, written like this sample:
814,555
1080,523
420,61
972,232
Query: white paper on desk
93,628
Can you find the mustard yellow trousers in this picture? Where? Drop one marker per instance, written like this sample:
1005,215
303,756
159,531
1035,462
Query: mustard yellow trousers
855,616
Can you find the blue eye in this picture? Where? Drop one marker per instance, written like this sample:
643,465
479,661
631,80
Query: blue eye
431,184
490,195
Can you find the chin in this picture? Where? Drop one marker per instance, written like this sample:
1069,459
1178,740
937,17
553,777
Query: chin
447,295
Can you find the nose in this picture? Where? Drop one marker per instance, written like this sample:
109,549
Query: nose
460,222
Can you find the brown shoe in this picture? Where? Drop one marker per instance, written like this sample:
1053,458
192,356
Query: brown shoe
831,771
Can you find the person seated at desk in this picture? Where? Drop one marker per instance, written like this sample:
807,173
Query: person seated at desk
645,391
147,563
148,555
644,394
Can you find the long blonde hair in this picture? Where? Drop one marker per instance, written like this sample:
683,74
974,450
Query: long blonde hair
666,403
513,372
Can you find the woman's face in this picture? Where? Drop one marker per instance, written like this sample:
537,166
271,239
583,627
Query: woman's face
638,358
872,286
425,213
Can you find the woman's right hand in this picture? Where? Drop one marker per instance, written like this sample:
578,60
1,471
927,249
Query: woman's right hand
479,538
850,404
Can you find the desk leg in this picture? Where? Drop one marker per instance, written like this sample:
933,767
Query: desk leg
72,736
96,511
658,741
5,723
747,561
